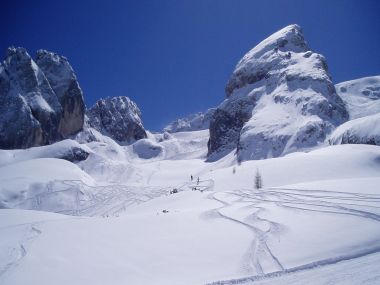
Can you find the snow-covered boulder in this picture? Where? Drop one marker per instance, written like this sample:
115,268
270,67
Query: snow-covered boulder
364,130
32,112
280,98
361,96
63,81
118,118
146,148
193,122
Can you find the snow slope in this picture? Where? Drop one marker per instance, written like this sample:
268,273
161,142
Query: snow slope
361,96
365,130
318,214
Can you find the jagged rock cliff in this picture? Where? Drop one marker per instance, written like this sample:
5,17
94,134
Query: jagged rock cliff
32,111
280,98
63,81
118,118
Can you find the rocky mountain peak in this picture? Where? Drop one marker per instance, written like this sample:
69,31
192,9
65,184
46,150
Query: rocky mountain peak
280,97
33,113
63,81
117,117
259,61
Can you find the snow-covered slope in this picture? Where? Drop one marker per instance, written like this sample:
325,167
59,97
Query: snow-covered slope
225,230
361,96
280,99
364,130
193,122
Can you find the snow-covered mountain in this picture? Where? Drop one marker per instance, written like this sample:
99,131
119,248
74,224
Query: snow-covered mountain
280,98
39,103
116,204
118,118
193,122
361,96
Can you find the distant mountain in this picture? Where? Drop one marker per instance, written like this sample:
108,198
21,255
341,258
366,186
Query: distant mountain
280,98
118,118
361,96
40,101
193,122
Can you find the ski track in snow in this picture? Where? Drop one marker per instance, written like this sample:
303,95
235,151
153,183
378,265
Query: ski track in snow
306,200
259,248
19,251
243,206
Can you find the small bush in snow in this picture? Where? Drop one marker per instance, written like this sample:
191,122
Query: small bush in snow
258,180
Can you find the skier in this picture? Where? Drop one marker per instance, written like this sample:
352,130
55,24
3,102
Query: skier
191,177
198,181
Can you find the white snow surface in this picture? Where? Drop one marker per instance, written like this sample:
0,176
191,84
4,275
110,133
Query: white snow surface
364,130
316,221
361,96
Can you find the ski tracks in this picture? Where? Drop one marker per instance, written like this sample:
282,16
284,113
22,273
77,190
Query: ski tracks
16,251
259,258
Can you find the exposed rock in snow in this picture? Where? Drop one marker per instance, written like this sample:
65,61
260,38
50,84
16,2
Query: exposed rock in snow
62,79
280,98
361,96
146,149
117,117
32,113
365,130
193,122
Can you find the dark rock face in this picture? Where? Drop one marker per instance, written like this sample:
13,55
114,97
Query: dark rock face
225,125
63,81
118,118
280,98
31,111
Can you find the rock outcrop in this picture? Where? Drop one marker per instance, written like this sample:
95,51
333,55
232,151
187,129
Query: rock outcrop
280,98
31,111
63,81
193,122
118,118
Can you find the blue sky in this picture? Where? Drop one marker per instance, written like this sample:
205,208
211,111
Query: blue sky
175,57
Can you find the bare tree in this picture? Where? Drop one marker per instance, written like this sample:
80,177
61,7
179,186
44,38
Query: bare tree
258,180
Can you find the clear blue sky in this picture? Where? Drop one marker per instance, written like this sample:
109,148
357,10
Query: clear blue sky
174,57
